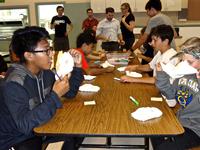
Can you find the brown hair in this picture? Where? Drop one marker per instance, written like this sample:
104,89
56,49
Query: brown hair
127,5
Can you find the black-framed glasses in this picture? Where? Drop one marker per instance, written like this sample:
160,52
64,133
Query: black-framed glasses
47,51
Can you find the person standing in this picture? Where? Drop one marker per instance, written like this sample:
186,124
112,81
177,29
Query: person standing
90,22
59,23
127,25
108,30
153,8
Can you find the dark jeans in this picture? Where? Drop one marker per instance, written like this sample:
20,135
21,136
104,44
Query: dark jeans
181,142
35,143
128,43
110,46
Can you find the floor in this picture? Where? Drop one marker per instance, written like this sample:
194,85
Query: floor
57,146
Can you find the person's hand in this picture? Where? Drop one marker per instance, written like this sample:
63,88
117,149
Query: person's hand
139,55
122,42
123,19
126,79
110,69
77,57
131,68
102,55
60,87
158,67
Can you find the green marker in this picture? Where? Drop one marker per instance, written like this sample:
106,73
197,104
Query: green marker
134,101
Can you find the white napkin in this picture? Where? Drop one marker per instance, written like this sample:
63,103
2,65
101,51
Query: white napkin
146,113
106,64
133,74
121,69
89,88
65,64
183,68
89,77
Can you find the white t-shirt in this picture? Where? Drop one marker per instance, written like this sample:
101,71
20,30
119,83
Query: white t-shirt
165,58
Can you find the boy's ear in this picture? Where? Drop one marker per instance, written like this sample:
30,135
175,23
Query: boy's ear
166,41
28,56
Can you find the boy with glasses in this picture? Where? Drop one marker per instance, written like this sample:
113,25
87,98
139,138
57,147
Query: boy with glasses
30,95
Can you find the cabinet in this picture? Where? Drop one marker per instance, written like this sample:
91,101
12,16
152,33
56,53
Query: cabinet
171,5
98,6
116,4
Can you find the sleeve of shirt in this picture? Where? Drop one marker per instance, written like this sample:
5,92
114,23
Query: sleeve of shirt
152,63
52,20
17,100
163,84
99,29
68,21
131,18
150,25
75,81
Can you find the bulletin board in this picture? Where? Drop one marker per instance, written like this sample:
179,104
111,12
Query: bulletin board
193,10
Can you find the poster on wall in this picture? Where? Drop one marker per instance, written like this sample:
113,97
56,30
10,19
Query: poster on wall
2,1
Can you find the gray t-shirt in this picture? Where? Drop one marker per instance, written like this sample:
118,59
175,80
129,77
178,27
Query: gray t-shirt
159,19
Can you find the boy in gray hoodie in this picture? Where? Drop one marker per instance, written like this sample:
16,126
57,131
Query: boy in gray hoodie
186,91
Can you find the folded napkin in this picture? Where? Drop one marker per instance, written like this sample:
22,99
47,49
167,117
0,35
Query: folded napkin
133,74
183,68
106,64
89,88
65,64
146,113
170,102
121,69
89,77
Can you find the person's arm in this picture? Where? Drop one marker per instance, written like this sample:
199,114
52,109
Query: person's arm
102,37
69,29
163,84
99,35
140,68
53,24
75,81
98,71
140,42
129,26
149,80
148,59
17,100
95,57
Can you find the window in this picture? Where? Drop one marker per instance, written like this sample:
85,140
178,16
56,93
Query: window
15,14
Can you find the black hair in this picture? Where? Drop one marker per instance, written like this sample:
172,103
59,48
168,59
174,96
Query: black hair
58,7
110,10
89,9
156,4
163,31
85,37
26,39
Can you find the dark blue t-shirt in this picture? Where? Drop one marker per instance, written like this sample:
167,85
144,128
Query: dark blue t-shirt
61,25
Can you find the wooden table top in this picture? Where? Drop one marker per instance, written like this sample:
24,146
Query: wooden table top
111,116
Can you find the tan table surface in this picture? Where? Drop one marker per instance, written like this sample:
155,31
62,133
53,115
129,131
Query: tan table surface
111,116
